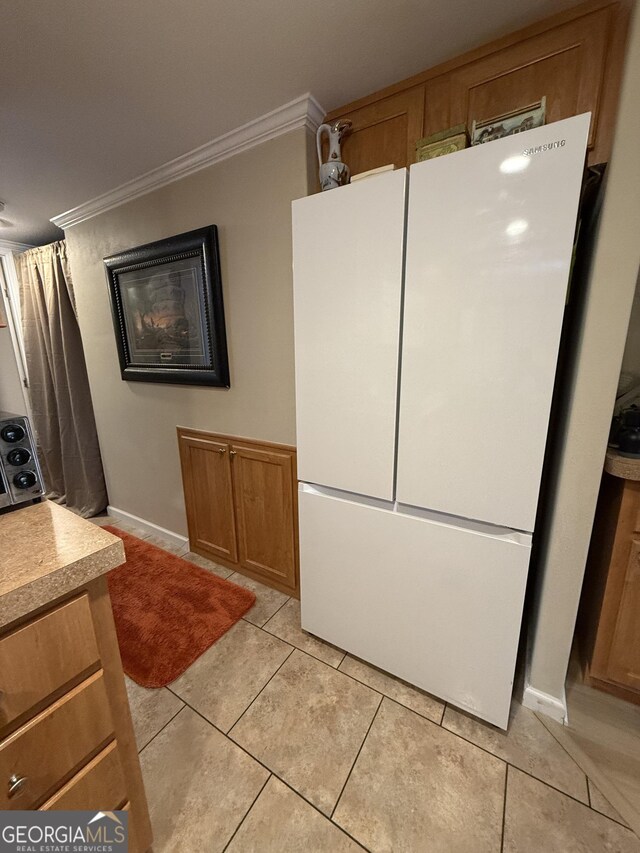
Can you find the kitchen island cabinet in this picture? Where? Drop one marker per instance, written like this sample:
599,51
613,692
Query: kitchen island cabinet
66,737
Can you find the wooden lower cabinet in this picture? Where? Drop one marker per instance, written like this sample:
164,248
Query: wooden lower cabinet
209,496
100,785
609,618
241,502
66,736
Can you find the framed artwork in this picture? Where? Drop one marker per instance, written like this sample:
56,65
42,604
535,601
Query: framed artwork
168,315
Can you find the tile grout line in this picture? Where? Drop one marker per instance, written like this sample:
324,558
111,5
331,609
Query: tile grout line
390,698
515,767
271,634
504,807
259,693
385,695
586,775
320,812
246,814
333,811
570,797
268,769
162,728
273,615
557,790
364,683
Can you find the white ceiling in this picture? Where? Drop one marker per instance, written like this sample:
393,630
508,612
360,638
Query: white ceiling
97,92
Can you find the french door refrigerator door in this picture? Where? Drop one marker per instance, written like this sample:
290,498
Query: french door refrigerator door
434,604
347,263
489,244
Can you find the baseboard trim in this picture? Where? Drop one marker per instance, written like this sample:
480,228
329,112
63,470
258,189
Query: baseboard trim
149,526
544,703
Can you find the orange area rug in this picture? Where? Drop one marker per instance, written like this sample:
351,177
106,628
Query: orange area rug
168,611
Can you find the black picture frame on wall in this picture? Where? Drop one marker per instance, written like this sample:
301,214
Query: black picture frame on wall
168,313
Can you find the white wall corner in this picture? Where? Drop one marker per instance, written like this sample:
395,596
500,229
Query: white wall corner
544,703
148,527
303,111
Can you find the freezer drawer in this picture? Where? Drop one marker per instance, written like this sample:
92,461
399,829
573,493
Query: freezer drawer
347,264
437,605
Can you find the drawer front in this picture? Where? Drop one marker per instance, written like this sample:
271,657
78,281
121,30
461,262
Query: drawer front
41,657
99,785
435,605
55,744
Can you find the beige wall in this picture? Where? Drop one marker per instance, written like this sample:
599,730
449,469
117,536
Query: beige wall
11,392
611,289
249,198
11,397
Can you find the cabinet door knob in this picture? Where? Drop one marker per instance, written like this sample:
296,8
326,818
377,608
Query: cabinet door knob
16,784
232,452
222,450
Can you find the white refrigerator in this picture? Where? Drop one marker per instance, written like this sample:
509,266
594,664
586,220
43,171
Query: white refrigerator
428,312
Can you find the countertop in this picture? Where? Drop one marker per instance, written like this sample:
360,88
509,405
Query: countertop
47,551
622,466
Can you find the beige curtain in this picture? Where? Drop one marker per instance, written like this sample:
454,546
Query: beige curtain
58,385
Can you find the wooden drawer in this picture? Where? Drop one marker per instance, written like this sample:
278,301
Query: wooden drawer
43,656
55,744
99,785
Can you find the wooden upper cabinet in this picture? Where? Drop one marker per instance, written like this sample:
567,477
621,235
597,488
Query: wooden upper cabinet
564,64
573,59
385,132
208,492
264,487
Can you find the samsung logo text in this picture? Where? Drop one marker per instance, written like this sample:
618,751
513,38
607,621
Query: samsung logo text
548,146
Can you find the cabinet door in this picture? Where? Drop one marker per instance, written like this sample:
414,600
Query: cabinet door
488,259
624,655
565,64
263,481
383,132
206,474
347,275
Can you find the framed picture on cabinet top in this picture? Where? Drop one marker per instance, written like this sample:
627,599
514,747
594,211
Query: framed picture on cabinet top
168,313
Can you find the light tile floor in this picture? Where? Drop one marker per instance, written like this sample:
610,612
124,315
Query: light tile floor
274,741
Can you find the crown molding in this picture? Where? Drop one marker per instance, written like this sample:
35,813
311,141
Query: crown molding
9,247
304,111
